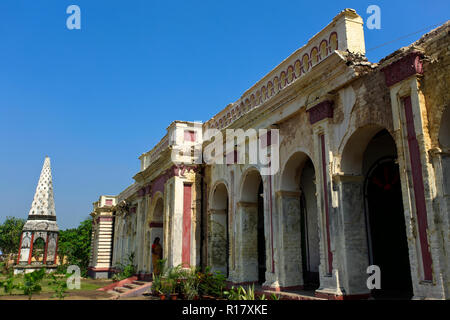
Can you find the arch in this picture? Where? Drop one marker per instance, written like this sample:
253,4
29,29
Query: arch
38,250
218,229
153,229
292,169
218,184
372,203
387,243
156,212
355,146
444,130
252,237
299,222
250,179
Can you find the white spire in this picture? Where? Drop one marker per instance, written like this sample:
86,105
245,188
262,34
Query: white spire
43,203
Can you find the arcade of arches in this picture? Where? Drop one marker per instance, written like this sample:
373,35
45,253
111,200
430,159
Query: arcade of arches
364,154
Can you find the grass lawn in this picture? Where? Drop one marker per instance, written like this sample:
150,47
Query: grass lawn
87,290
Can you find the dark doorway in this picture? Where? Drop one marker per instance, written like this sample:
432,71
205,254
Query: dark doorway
386,230
261,237
309,228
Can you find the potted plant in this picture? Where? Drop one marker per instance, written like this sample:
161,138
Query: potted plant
166,289
156,285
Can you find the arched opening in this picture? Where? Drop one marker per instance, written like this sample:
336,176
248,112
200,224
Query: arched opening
38,250
156,231
385,221
300,224
253,242
309,227
218,231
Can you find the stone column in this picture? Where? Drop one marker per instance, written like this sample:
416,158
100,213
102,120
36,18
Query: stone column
217,240
351,237
319,116
140,232
246,243
289,269
441,163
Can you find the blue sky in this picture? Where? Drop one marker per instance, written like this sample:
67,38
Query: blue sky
95,99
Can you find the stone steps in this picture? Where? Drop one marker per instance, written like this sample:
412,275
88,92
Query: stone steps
121,289
131,285
130,289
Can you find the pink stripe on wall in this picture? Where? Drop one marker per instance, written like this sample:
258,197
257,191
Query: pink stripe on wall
419,191
186,249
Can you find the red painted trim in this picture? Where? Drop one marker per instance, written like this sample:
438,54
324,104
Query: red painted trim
403,68
419,190
299,69
325,193
330,296
102,219
45,250
31,248
320,111
118,284
20,248
55,257
189,135
337,41
100,269
187,202
281,289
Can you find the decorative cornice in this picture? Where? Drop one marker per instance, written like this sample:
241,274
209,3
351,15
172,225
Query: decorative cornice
409,65
321,111
288,72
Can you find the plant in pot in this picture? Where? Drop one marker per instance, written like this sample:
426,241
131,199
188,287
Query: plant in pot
166,289
189,287
156,285
211,284
174,290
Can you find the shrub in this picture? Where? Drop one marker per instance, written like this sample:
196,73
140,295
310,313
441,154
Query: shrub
211,283
128,270
240,293
31,282
59,286
61,269
8,284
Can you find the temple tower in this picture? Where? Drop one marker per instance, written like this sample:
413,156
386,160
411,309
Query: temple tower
39,240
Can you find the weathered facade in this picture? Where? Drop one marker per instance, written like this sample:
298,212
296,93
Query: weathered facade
364,153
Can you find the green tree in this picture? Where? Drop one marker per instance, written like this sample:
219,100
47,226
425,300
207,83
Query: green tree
10,232
75,244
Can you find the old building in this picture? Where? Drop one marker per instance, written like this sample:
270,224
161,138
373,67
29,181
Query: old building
363,178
